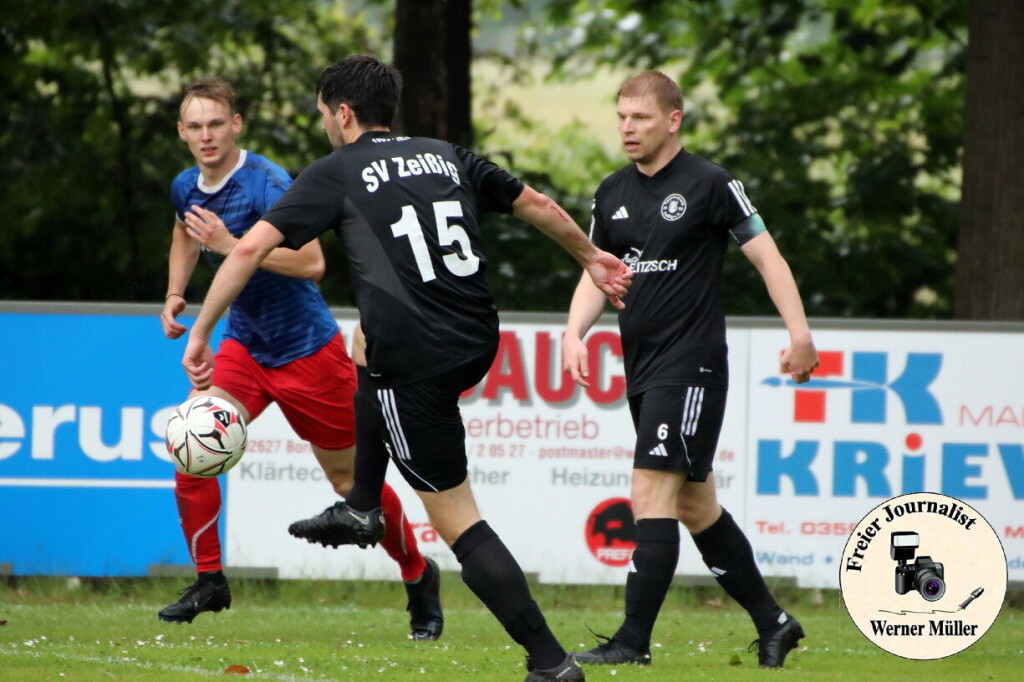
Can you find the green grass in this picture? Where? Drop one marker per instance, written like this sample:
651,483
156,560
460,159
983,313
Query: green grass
303,630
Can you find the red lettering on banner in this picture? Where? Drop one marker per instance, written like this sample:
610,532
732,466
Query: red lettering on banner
542,373
616,384
809,405
514,378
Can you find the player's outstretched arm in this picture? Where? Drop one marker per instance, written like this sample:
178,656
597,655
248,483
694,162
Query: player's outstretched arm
585,309
608,273
800,359
232,276
181,262
208,229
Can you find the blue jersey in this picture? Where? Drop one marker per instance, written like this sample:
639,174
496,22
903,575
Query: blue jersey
277,318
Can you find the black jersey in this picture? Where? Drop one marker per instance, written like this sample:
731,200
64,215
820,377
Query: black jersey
406,210
672,228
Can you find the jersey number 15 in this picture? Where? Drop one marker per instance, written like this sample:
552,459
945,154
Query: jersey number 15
462,264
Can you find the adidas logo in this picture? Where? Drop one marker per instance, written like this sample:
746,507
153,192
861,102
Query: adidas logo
621,214
659,451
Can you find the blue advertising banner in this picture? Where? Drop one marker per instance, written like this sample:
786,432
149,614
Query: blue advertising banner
86,487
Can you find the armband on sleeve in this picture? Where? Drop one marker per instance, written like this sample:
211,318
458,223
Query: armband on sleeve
748,229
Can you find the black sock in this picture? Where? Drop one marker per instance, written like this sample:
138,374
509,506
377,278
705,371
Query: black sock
727,552
490,571
371,463
654,564
214,577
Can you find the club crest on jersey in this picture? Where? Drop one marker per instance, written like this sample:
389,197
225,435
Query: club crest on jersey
673,207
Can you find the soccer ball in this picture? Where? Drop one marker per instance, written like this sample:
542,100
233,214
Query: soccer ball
205,437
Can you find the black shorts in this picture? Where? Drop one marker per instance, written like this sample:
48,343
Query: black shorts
423,425
677,429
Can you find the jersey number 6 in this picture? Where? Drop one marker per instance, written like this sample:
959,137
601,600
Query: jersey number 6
462,264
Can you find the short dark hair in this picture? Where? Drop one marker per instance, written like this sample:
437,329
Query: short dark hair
366,84
211,87
657,85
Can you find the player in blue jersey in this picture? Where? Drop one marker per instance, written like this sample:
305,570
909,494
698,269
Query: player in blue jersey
281,345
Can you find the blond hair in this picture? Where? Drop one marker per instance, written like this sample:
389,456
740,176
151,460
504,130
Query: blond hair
654,84
212,87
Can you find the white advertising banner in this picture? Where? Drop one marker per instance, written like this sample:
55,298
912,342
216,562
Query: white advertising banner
888,412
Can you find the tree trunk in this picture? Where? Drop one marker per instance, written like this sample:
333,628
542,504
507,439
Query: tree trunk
990,259
459,48
432,49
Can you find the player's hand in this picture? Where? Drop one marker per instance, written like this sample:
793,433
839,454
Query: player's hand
799,361
208,229
168,318
611,276
198,362
575,359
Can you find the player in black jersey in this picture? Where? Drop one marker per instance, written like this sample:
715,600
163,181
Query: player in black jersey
670,215
406,210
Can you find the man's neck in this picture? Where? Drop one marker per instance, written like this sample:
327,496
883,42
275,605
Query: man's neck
357,132
662,159
214,174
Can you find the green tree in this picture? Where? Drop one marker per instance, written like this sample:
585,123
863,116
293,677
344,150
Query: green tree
842,119
87,112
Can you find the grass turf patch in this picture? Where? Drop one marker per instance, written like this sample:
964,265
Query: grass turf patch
107,629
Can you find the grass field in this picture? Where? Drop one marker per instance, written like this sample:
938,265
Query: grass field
301,630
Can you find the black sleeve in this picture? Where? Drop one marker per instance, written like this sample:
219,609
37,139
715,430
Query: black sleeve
314,204
598,235
495,188
729,203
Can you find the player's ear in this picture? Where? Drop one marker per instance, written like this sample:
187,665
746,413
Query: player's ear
181,131
236,123
675,119
346,116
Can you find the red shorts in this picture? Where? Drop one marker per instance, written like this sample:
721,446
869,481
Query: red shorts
314,393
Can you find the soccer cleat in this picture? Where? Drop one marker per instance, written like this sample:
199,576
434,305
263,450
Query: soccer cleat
772,651
339,524
202,595
613,652
568,669
426,621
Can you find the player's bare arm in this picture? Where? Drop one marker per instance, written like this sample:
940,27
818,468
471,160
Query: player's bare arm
208,229
584,311
231,278
801,357
181,262
608,273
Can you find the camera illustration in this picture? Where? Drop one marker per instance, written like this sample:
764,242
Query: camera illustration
923,575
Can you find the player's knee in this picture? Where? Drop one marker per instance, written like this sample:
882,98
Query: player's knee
696,515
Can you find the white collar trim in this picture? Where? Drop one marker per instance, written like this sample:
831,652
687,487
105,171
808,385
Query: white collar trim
203,187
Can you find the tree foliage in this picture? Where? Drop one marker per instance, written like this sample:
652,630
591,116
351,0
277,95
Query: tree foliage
842,119
87,125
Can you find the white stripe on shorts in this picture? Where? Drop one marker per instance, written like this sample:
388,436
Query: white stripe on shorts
390,409
691,410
